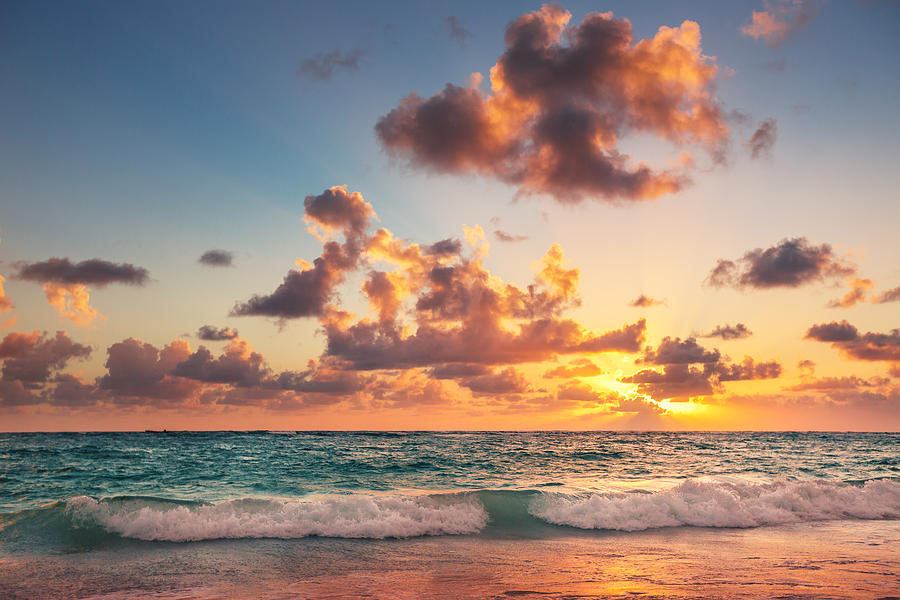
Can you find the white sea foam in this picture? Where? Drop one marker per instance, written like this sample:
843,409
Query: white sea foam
356,516
709,504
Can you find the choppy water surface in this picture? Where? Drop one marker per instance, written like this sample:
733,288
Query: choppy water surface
196,486
449,515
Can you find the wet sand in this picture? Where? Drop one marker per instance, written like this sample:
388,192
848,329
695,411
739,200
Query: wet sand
834,559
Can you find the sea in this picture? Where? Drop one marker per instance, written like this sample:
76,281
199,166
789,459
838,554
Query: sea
284,514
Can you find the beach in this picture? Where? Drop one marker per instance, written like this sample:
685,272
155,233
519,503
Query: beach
449,515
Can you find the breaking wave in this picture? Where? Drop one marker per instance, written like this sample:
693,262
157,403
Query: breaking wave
535,513
705,504
356,516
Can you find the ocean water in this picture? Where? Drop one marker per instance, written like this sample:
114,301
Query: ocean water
285,514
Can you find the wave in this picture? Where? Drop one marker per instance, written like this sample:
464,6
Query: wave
533,513
709,504
355,516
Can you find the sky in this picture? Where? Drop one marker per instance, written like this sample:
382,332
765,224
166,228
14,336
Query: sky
466,216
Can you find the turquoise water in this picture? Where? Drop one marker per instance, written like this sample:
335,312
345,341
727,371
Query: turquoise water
308,515
60,489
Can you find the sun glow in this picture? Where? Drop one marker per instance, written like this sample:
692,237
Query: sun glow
679,408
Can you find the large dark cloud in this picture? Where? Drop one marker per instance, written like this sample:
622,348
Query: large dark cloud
860,346
322,66
31,357
366,346
690,370
95,272
29,362
832,332
138,373
561,98
681,380
216,258
790,263
307,291
673,351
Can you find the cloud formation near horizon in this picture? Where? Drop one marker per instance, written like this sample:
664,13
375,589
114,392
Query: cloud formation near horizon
29,362
789,263
561,98
860,346
690,370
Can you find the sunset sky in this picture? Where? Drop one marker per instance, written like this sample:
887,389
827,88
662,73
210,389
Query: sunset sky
502,215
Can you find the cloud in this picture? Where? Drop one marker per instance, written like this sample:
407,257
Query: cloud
683,380
6,304
29,361
672,351
830,384
806,367
72,302
858,290
321,67
95,272
505,381
763,139
780,19
561,98
71,391
216,258
508,238
448,247
456,30
307,291
889,296
832,332
644,301
691,370
65,283
727,332
790,263
210,333
582,367
859,346
238,365
31,357
138,373
458,371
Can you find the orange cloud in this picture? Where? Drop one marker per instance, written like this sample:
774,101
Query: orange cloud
72,302
561,98
858,290
6,304
780,19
